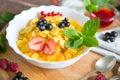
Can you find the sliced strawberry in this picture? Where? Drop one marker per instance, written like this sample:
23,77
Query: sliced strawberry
36,43
50,47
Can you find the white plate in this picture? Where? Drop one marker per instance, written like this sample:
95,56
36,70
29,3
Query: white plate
111,46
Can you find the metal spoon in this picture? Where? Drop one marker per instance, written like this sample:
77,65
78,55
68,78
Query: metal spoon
102,65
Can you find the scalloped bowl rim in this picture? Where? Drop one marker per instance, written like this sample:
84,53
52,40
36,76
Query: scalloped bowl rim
13,26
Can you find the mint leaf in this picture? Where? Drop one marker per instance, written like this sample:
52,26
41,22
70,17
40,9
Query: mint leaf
77,39
74,43
69,43
90,41
91,27
72,33
7,16
100,2
89,6
77,43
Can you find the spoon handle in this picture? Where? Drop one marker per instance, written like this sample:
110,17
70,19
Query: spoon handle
87,76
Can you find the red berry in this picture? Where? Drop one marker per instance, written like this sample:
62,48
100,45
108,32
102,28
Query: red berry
42,13
3,63
49,14
53,13
100,77
60,14
13,66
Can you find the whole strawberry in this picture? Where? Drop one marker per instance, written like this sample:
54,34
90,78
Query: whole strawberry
100,77
3,63
13,66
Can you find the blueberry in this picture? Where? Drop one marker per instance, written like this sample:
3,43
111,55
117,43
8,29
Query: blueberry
67,24
114,34
19,75
49,26
106,36
42,28
44,21
61,24
15,78
39,23
25,78
112,39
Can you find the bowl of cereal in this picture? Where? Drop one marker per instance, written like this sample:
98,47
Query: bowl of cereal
40,35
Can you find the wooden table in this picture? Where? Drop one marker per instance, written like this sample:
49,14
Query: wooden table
73,72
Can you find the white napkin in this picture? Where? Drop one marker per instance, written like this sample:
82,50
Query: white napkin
109,48
106,52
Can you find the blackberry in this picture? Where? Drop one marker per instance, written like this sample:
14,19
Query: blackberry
19,75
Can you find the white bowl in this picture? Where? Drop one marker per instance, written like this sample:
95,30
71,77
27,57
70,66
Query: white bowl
22,19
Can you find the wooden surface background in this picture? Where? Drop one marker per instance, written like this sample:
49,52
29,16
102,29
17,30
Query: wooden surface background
73,72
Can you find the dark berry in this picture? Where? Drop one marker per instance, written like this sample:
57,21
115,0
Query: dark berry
61,24
112,39
114,34
67,24
19,75
39,23
66,19
42,28
25,78
100,77
3,63
44,21
13,66
49,26
106,36
15,78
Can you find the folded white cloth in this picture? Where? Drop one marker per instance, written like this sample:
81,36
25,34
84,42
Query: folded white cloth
106,52
109,48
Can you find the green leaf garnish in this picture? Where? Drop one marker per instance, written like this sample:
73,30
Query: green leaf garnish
100,2
6,16
92,5
2,43
91,27
72,33
86,37
89,6
90,41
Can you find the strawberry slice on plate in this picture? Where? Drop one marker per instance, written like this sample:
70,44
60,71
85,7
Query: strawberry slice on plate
50,47
36,43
